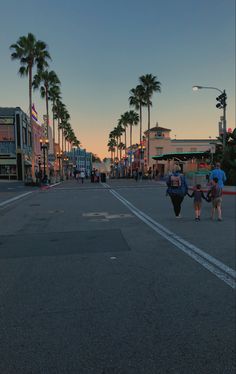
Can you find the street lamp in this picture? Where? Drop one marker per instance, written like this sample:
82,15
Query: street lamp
59,157
44,146
220,105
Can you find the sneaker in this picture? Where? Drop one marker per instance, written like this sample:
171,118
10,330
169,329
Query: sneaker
179,216
219,219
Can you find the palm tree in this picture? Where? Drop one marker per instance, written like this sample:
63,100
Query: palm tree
137,99
133,120
111,146
45,80
151,85
54,94
123,121
30,52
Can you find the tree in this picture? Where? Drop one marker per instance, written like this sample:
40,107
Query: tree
54,94
228,157
123,121
151,85
30,52
137,99
45,80
133,120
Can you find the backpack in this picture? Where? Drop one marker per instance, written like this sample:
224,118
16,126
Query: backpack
175,181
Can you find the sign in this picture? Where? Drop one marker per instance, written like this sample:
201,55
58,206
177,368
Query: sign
7,121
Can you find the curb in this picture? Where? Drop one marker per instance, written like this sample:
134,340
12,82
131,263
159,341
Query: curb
223,192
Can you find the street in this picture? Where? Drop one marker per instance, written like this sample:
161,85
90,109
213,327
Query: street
102,278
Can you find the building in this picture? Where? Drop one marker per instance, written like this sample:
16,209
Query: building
164,151
81,160
16,144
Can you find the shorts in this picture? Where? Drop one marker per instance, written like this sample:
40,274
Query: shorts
216,202
197,205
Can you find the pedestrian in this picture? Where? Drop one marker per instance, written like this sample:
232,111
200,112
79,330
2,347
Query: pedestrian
135,173
197,195
140,175
82,176
215,196
218,173
177,189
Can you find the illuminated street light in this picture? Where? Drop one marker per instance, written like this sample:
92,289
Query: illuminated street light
220,105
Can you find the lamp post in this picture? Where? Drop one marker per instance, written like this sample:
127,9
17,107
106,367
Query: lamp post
44,147
220,105
59,157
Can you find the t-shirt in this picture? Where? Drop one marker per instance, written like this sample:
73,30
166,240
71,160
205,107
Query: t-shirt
220,174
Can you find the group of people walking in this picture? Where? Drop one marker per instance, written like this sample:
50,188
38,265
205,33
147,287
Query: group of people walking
177,189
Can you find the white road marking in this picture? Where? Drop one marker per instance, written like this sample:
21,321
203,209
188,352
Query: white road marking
15,198
216,267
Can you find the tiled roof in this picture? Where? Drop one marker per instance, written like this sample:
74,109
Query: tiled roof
157,128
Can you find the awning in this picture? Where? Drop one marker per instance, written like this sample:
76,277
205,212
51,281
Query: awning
7,161
183,156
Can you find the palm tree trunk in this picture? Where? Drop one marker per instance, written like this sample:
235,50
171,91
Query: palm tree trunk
148,150
47,112
53,128
140,122
31,125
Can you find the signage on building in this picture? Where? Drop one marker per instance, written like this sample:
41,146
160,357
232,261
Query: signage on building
7,121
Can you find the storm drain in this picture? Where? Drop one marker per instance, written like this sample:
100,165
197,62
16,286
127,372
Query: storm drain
62,243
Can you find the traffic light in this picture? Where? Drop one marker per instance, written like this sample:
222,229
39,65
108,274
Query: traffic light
221,101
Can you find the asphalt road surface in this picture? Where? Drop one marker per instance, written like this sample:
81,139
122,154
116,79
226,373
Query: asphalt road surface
102,278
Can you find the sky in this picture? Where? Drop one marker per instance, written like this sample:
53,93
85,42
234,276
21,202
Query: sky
100,48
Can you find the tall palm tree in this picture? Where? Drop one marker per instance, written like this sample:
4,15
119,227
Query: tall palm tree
123,121
137,100
151,85
111,147
44,80
54,94
133,121
30,52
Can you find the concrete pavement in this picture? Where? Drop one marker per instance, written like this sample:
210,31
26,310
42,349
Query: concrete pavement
88,287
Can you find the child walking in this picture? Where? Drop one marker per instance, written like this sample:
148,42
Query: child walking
197,195
215,196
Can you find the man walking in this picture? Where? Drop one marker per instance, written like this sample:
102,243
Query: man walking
219,174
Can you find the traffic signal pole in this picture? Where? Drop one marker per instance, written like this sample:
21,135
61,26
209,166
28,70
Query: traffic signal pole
220,105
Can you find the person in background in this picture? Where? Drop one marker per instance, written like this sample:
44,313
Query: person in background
177,189
215,195
218,173
197,195
82,176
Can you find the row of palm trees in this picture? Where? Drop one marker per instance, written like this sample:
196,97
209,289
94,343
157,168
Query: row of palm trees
31,54
140,96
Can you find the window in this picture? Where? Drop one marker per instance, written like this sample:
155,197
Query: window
159,151
193,149
179,150
7,133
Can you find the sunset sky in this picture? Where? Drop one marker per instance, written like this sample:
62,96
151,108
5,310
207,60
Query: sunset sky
100,48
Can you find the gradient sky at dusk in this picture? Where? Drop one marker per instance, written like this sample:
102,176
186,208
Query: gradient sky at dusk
100,48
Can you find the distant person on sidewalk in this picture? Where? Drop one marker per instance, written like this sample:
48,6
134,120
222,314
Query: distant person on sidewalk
197,195
82,176
215,196
177,189
218,173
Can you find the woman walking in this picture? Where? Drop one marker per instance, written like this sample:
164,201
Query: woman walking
177,189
